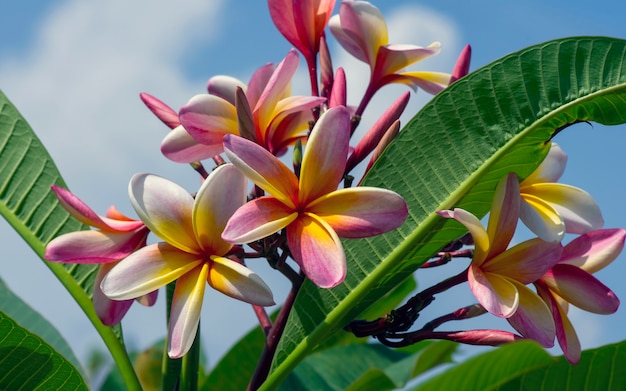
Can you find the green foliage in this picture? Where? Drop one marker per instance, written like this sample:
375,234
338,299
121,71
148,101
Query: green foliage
33,355
527,366
494,121
367,367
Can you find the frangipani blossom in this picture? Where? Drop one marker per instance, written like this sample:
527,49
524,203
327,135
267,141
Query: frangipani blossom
116,237
178,145
551,209
279,119
314,213
302,22
498,276
570,281
192,253
361,29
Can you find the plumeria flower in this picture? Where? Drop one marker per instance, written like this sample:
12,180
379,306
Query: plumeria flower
314,213
570,281
361,29
116,237
551,209
302,22
279,119
178,145
498,276
192,252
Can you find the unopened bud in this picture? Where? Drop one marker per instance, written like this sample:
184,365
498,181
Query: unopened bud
461,68
244,115
163,112
297,157
338,93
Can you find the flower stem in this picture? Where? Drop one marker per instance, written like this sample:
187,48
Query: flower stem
191,366
112,342
170,369
263,368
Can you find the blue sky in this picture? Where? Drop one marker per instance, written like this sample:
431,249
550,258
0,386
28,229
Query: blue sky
75,69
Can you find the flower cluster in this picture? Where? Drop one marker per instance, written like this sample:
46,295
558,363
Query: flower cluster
280,189
244,128
499,276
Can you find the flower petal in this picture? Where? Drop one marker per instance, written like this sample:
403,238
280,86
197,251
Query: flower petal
581,289
180,147
186,309
431,82
594,250
577,208
503,215
475,228
239,282
361,31
208,118
262,168
225,87
258,219
565,333
360,212
325,155
165,208
526,262
497,294
277,86
533,318
317,249
392,58
91,247
541,218
551,169
109,311
146,270
221,194
83,213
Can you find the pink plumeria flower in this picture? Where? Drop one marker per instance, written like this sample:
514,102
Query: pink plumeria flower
361,29
178,145
498,276
314,213
192,251
551,209
302,22
279,119
116,236
570,281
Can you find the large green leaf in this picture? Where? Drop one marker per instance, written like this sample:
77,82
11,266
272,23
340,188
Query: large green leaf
28,362
451,154
20,312
27,203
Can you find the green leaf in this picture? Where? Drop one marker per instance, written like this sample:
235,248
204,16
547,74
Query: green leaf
21,313
598,369
27,362
527,366
451,154
27,203
366,367
492,369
